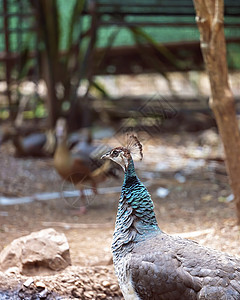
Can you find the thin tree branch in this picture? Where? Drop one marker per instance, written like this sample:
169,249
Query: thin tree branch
203,21
217,23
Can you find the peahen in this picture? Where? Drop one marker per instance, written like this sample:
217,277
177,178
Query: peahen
82,165
151,264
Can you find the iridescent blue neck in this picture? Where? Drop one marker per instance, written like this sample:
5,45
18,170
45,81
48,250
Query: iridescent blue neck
130,172
136,219
136,195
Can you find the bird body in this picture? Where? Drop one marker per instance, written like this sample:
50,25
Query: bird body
38,144
71,167
35,144
81,165
152,265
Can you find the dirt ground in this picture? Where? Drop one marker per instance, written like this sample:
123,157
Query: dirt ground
184,173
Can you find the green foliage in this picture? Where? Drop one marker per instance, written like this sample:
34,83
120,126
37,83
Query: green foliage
40,111
4,114
64,46
233,57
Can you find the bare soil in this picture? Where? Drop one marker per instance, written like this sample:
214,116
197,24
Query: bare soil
196,207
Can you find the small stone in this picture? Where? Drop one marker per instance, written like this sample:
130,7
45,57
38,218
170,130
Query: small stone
97,286
78,283
101,296
106,283
71,280
12,270
40,285
113,287
77,293
43,294
89,295
28,282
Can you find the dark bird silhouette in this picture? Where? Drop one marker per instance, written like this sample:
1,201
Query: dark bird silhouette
38,144
82,164
152,265
41,144
34,144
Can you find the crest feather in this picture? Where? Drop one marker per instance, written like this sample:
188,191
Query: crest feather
135,147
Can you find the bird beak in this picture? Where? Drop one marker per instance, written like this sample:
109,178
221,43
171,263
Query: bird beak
106,155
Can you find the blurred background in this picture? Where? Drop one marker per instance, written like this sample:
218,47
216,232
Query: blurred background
109,68
79,59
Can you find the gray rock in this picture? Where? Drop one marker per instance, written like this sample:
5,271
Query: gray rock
40,252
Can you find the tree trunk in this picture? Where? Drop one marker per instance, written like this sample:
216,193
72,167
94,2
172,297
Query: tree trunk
209,19
51,101
48,30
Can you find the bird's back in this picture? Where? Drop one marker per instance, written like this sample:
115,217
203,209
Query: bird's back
166,267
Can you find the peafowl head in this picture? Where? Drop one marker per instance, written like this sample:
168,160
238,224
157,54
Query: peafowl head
123,155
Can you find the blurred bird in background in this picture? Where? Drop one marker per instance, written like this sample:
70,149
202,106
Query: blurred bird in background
80,165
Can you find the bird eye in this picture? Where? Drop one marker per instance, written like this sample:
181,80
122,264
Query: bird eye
115,153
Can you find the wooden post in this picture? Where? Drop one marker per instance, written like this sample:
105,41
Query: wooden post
46,10
209,18
7,56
